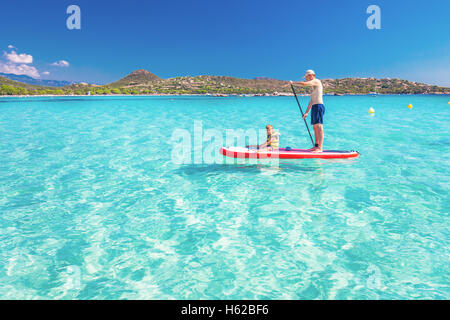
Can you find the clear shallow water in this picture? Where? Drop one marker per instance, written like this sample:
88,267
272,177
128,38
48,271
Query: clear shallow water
92,207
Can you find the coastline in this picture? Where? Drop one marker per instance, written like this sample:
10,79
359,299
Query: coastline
219,95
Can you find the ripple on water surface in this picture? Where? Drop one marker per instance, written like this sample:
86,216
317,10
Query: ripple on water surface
92,207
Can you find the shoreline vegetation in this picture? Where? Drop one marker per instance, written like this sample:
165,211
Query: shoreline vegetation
144,83
204,95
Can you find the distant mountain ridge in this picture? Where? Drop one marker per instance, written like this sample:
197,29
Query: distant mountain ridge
38,82
144,82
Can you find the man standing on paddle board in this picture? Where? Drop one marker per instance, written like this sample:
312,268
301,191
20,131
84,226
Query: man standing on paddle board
316,106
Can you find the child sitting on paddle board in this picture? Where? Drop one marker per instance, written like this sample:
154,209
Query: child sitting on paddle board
272,142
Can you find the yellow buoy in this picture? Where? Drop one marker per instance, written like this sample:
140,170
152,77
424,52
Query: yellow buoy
410,106
371,110
449,102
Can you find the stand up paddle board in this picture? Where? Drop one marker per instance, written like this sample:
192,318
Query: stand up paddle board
282,153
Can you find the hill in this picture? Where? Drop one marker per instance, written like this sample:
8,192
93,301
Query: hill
39,82
11,87
139,77
17,84
383,86
144,82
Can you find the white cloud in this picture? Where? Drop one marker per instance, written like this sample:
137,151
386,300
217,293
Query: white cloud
19,69
19,58
11,47
45,73
60,63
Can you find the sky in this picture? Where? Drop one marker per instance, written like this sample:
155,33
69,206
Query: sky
241,38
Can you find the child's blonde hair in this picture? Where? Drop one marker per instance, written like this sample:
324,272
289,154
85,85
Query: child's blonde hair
269,126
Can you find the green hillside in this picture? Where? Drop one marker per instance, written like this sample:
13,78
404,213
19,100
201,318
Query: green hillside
144,82
11,87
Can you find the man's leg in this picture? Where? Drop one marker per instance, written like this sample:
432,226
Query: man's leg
318,133
315,138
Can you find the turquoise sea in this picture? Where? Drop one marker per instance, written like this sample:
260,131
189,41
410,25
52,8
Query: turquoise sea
92,205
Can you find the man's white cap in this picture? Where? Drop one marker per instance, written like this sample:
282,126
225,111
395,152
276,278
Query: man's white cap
309,72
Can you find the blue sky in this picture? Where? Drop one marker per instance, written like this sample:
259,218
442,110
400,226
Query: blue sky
246,38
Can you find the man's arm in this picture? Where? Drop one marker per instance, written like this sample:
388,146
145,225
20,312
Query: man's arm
307,110
312,83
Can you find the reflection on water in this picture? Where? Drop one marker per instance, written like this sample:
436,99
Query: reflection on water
282,168
88,190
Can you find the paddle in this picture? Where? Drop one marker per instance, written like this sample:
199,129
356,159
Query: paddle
298,102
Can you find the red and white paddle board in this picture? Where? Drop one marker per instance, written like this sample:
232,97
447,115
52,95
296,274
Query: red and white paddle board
282,153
